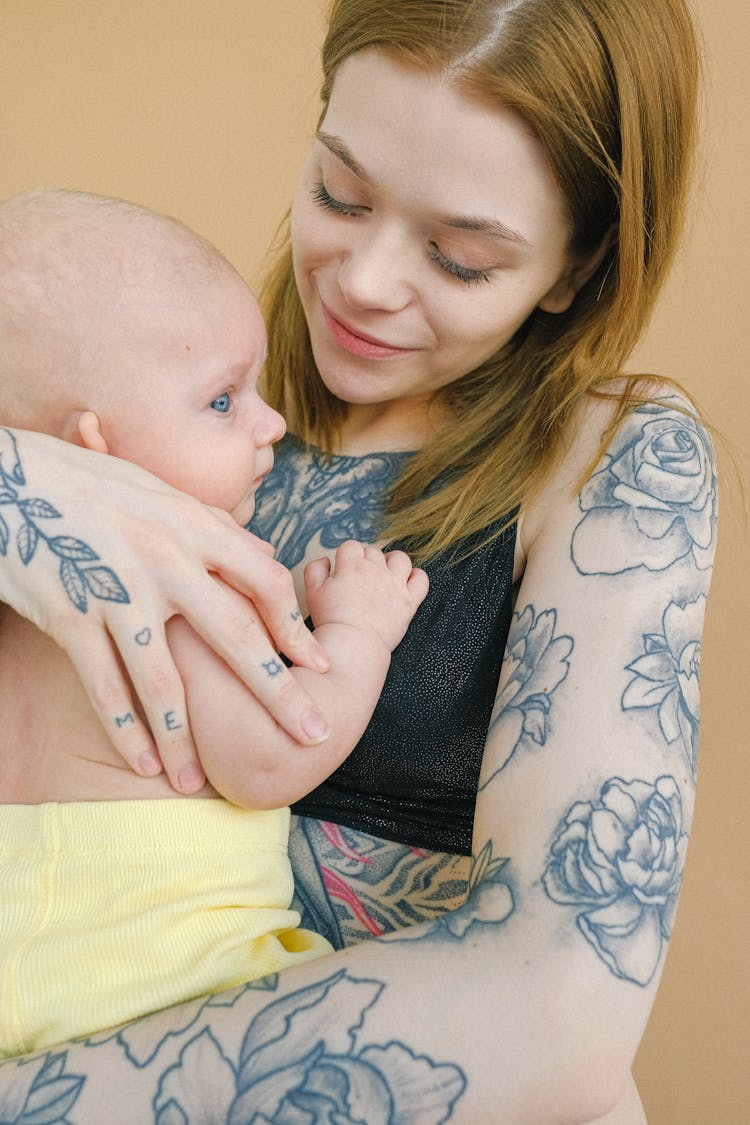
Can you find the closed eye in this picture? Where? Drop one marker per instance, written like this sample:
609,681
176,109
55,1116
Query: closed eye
468,276
324,199
463,273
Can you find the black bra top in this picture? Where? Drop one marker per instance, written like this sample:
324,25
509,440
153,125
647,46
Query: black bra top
413,776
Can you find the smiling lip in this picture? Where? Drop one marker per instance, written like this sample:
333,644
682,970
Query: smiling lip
359,344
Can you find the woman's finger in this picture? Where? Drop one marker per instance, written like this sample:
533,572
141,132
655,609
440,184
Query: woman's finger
158,686
243,562
230,624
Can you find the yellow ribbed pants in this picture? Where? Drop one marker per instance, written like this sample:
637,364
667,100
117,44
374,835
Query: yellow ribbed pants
110,910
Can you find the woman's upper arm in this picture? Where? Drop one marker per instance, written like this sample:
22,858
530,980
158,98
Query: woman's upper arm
587,787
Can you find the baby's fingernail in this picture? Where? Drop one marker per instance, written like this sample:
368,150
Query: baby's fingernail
190,778
149,763
314,726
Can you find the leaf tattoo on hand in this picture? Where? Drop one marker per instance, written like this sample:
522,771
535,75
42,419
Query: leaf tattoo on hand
79,580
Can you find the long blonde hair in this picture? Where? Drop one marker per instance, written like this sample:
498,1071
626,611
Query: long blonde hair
610,90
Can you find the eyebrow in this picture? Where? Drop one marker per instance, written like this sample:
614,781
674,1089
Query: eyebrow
338,148
457,222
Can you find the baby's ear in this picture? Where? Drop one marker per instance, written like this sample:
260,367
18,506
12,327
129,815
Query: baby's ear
85,429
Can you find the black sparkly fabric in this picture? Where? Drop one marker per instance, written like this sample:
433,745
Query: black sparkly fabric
413,776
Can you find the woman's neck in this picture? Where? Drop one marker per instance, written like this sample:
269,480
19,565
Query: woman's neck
390,427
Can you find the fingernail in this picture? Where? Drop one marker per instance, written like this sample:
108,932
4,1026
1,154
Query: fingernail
314,726
190,779
320,660
149,763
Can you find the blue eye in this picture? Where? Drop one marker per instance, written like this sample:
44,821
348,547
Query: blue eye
223,403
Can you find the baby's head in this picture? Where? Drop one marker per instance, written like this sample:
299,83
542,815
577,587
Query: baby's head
124,331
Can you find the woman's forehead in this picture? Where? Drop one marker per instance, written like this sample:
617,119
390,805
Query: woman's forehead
403,129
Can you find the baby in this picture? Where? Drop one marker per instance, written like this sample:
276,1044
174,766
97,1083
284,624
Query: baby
125,332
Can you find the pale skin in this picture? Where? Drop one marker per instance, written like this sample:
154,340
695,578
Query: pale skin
182,374
542,999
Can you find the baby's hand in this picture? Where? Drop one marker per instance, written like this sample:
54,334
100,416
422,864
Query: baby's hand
366,589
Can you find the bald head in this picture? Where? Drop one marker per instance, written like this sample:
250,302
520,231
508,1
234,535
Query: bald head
78,272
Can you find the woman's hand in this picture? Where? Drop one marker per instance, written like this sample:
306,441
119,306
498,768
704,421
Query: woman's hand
100,554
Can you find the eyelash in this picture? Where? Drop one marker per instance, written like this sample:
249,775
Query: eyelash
323,199
468,276
463,273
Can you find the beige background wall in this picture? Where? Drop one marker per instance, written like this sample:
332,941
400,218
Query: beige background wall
204,110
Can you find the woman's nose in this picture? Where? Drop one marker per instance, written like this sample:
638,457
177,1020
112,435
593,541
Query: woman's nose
374,271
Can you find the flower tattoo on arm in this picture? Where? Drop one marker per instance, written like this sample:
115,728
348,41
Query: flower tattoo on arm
653,501
303,1057
619,860
666,676
538,660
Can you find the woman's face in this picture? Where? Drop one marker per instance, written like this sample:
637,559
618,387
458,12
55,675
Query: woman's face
426,228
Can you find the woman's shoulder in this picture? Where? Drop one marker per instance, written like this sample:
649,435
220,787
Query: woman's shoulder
639,445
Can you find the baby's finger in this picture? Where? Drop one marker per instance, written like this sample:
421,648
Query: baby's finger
316,572
350,549
418,584
399,563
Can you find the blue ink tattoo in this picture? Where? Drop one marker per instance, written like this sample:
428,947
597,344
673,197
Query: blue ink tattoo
42,1092
273,667
296,615
340,497
653,501
78,581
170,722
121,720
304,1057
538,662
144,637
667,676
620,861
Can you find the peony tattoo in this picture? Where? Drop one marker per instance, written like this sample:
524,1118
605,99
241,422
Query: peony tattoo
620,860
302,1060
654,500
667,676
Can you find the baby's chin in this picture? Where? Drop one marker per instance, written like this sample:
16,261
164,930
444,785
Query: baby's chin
244,511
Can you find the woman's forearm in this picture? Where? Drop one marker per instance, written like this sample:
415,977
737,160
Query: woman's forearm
504,1036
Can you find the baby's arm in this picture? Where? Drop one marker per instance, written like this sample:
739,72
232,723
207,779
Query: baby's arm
361,611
